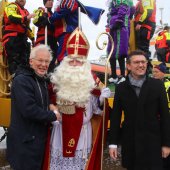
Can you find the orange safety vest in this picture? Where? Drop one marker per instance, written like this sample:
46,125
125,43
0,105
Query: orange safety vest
140,10
41,32
152,18
10,26
161,40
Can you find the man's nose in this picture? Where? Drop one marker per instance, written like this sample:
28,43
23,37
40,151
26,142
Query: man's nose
74,63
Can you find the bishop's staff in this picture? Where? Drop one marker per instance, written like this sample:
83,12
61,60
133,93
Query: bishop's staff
46,29
106,76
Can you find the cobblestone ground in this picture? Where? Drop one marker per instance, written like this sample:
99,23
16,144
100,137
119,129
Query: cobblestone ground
109,163
3,163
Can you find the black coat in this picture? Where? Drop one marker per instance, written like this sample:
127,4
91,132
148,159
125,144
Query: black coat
29,121
146,126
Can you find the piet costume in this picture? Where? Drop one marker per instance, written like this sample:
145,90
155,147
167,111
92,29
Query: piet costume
118,22
65,19
119,16
71,139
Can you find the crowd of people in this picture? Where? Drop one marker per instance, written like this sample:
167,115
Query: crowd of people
54,93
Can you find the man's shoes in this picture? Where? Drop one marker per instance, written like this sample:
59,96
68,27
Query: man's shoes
121,79
116,80
113,80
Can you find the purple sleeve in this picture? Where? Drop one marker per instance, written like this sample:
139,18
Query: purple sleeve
117,20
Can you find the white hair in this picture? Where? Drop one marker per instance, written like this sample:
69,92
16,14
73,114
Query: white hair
73,83
40,47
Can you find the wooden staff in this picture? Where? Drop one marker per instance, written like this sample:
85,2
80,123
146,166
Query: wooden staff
106,77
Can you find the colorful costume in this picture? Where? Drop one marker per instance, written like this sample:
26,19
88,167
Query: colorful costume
118,21
65,19
15,32
145,16
71,139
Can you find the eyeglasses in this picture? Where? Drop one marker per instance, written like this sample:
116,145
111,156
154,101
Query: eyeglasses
139,62
42,61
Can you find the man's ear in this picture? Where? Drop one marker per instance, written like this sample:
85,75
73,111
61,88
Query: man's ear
30,62
128,66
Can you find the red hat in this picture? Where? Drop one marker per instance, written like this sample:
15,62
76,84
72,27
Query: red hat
77,44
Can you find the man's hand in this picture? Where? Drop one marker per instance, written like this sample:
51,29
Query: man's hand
58,115
55,110
52,107
138,26
113,153
30,16
165,151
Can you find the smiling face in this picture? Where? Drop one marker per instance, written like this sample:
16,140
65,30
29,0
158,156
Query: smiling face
41,62
137,66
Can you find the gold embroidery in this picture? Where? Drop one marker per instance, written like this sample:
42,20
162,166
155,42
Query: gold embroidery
69,152
71,143
67,109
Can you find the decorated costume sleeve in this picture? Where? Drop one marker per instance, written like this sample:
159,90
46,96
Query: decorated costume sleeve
118,20
123,12
11,12
70,5
58,15
148,7
65,9
41,18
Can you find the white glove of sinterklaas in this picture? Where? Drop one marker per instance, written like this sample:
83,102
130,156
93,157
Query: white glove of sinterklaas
105,93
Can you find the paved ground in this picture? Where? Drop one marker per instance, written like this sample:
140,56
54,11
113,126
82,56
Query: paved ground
108,163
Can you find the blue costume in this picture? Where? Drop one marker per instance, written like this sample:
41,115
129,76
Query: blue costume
65,19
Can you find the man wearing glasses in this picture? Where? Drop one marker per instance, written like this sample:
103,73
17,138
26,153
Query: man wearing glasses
30,113
145,130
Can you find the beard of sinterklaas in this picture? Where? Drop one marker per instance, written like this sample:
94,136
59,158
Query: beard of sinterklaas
73,83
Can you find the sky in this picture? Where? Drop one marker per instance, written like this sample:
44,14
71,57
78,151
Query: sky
92,31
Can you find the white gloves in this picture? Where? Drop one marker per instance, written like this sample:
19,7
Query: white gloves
105,93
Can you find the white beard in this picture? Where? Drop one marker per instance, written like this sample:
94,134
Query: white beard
73,83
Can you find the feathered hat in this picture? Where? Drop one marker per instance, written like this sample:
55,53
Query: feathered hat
77,44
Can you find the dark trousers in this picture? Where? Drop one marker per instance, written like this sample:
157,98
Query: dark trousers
143,37
17,51
166,163
121,61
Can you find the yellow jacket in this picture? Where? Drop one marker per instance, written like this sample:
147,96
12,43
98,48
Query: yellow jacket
145,11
